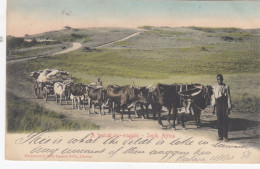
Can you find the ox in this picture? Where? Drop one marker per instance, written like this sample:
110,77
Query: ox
77,93
61,90
197,97
167,96
171,97
144,105
96,96
125,96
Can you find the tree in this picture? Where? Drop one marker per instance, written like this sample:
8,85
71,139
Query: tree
14,42
67,27
34,41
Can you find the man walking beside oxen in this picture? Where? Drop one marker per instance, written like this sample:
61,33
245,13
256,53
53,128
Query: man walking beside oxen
221,102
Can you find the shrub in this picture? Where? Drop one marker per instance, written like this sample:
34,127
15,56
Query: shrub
14,42
146,27
67,27
227,38
76,36
207,30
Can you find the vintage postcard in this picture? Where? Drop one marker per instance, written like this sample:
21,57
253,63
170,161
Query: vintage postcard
153,81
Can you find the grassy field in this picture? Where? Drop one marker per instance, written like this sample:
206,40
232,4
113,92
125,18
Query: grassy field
32,52
173,55
163,61
23,116
89,37
38,50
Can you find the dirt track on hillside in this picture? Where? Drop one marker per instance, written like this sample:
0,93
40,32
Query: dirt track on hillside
75,46
243,129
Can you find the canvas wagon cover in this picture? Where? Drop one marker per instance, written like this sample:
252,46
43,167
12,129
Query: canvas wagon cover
50,75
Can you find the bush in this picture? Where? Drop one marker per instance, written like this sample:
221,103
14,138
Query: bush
14,42
207,30
214,30
67,27
73,37
227,38
146,27
77,36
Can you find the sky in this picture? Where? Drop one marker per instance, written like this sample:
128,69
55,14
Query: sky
36,16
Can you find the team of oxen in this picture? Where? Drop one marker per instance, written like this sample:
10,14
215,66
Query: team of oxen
175,97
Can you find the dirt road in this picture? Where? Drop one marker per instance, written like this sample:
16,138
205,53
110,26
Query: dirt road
244,128
75,46
128,37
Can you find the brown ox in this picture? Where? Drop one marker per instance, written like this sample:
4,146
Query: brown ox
125,96
169,96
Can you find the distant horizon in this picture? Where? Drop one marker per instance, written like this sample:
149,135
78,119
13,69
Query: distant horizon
129,28
34,17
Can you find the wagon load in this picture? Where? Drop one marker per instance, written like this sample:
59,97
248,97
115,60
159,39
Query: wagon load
50,75
45,80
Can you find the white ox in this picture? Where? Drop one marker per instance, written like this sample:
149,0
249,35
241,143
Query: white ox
77,93
61,90
76,100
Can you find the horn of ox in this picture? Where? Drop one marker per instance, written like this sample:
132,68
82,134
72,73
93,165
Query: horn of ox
149,86
181,89
194,94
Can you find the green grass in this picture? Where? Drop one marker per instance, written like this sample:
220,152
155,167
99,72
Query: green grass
195,49
86,39
181,62
90,37
163,33
33,52
146,64
234,36
123,43
247,103
23,116
65,35
159,62
73,37
226,34
213,30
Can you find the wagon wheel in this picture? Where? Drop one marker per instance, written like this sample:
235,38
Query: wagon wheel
36,90
45,94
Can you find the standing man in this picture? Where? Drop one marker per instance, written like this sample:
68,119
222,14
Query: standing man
221,102
99,82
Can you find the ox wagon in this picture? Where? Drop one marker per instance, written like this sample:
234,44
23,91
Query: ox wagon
44,81
44,88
